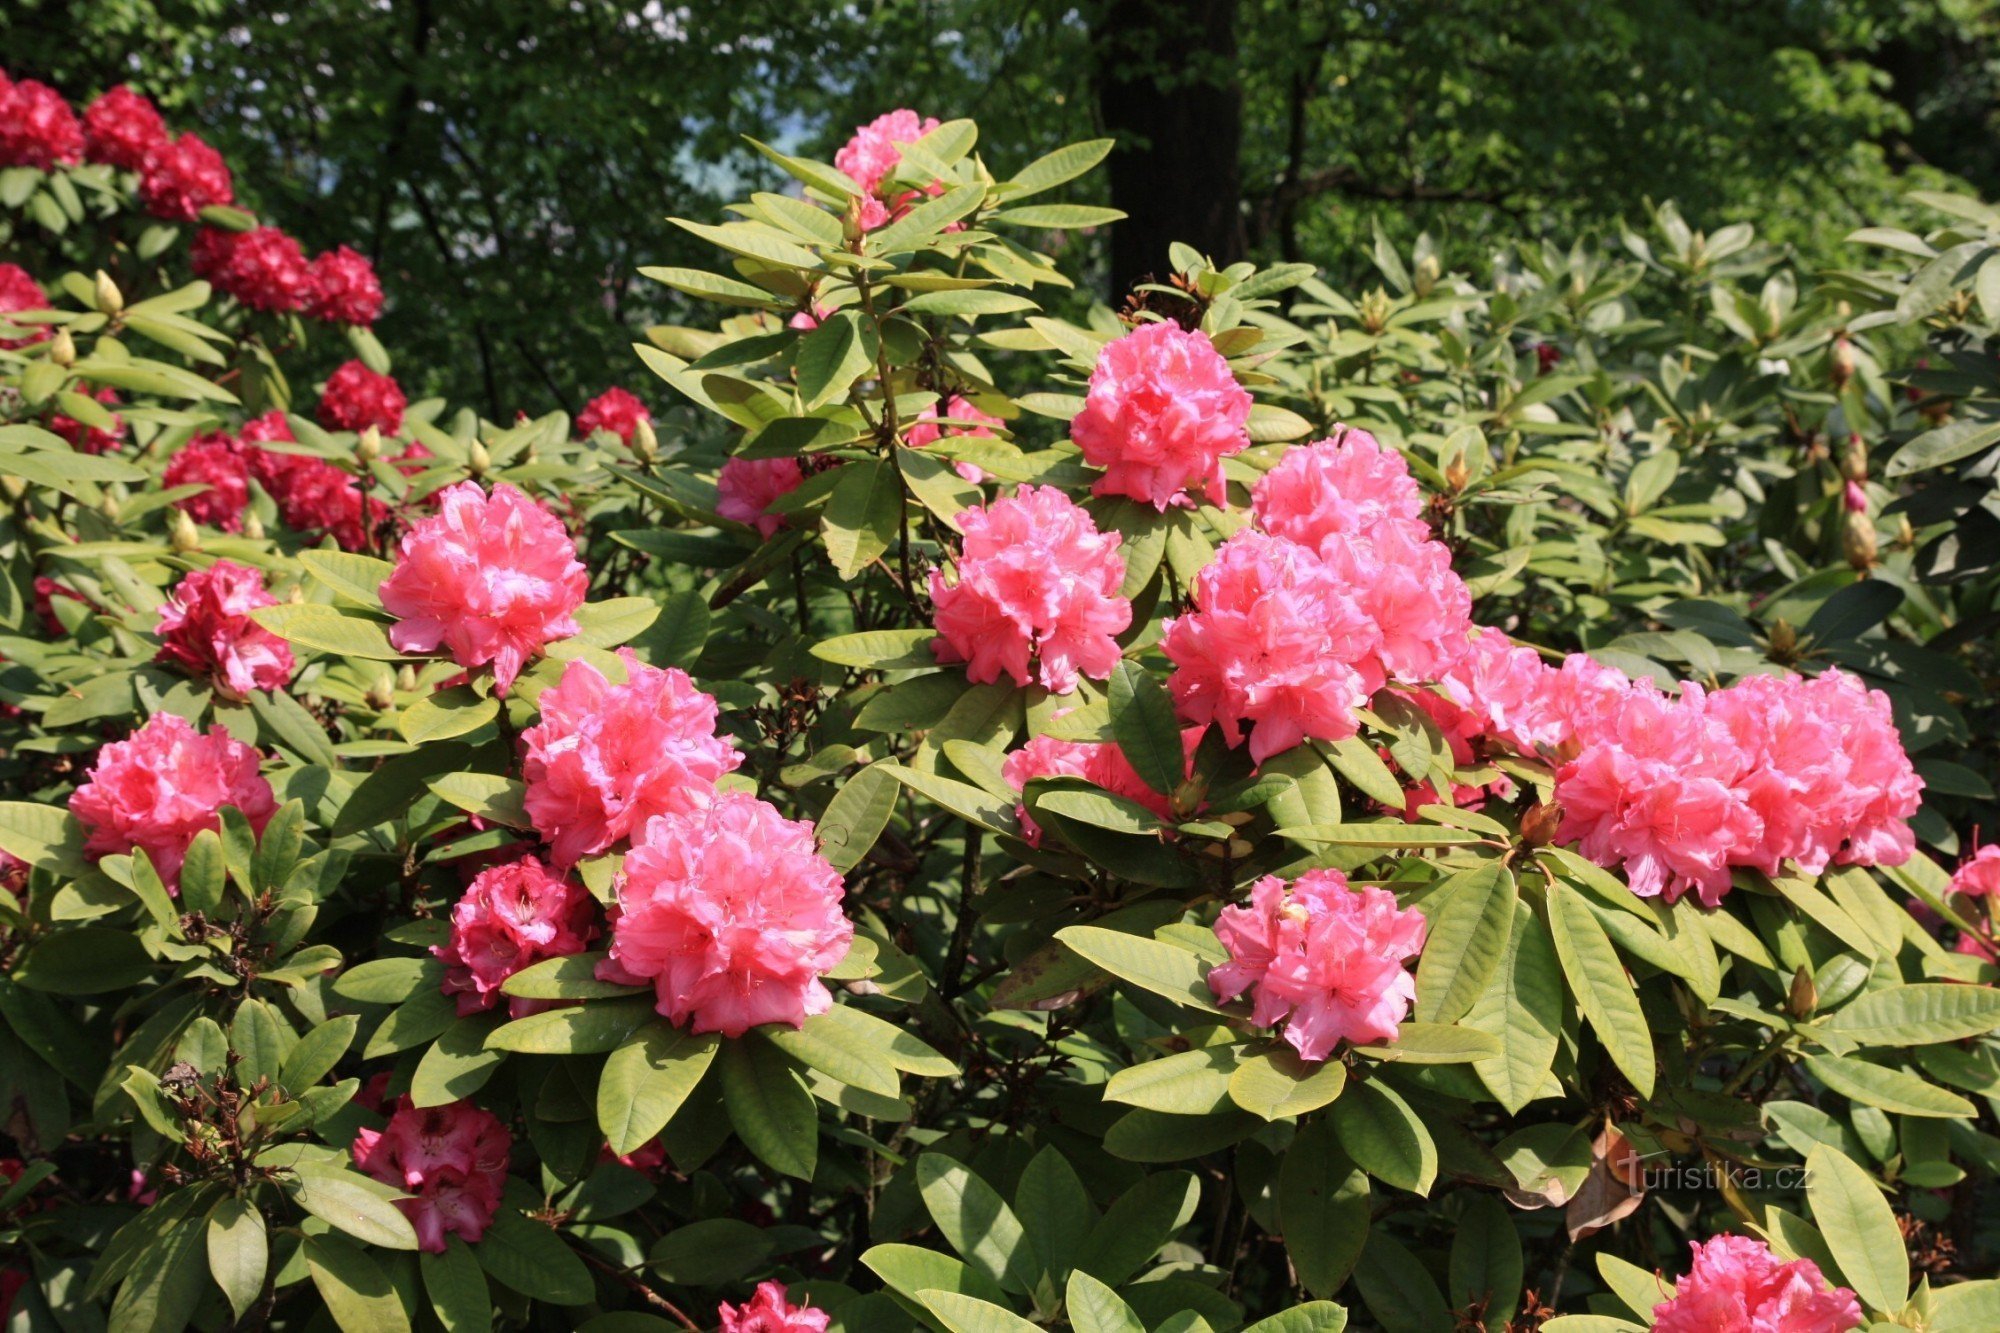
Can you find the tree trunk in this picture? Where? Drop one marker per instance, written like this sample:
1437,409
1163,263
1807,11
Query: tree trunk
1167,84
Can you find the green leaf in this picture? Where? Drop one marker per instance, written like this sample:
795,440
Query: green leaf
1058,215
357,1292
1096,1308
1523,1010
570,977
530,1258
1193,1082
448,713
588,1029
770,1107
1276,1083
1600,985
1377,1129
1357,761
967,1314
1053,169
1860,1229
1918,1015
863,515
356,1204
1055,1212
358,578
1891,1090
646,1080
1384,833
838,1050
1433,1044
1467,939
880,650
1322,1209
1312,1317
316,1053
712,287
1143,720
976,1221
909,1269
856,815
238,1252
388,980
456,1286
1486,1262
326,630
458,1064
1164,969
46,837
709,1253
85,960
502,800
1139,1225
1400,1292
834,355
962,799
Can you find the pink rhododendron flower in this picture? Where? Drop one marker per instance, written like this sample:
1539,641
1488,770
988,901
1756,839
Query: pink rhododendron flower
121,127
205,629
1978,875
19,291
1035,579
747,486
37,128
1162,412
212,460
605,759
732,915
614,410
91,439
341,288
927,430
1321,958
490,578
452,1158
873,155
1343,487
181,177
1100,763
769,1312
1275,639
1405,585
1736,1285
511,917
356,398
162,785
263,268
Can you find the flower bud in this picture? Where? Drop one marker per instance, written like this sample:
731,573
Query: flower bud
183,536
1841,361
1784,639
1857,541
110,300
1427,273
1540,822
406,677
1456,474
110,507
1854,458
478,459
1906,536
382,693
645,444
1805,995
370,447
1854,499
62,349
253,527
1374,310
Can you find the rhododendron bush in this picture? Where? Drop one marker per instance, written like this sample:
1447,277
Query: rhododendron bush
1258,810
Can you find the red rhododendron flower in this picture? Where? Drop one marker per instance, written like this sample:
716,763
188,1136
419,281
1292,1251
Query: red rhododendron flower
341,288
491,579
356,398
19,291
747,486
158,788
1035,579
37,128
1275,639
769,1312
212,460
511,917
931,426
872,156
605,759
733,916
121,127
1162,411
452,1158
183,176
263,268
1321,958
614,410
205,629
91,439
1736,1285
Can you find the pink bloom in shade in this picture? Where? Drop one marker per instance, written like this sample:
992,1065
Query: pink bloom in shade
1162,412
1035,578
1321,958
873,155
19,291
121,127
614,410
37,128
158,788
511,917
1274,639
212,460
491,578
1736,1285
341,288
183,176
263,268
1657,794
91,439
1343,487
1978,876
926,430
1098,762
452,1158
769,1312
808,319
732,915
605,759
747,487
205,629
356,398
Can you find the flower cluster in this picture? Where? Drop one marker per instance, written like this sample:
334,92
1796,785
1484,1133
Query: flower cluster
1736,1285
451,1159
605,759
356,398
615,411
1035,579
341,288
183,176
490,578
732,915
19,291
768,1311
1324,959
37,128
871,157
511,917
121,128
1162,411
746,488
263,267
1100,763
206,630
313,495
157,789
